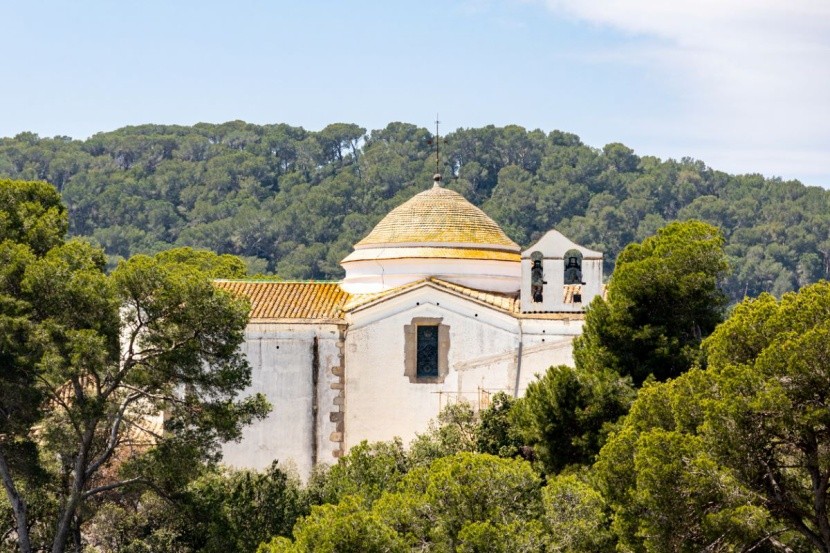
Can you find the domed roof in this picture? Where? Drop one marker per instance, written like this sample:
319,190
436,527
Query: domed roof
439,234
438,218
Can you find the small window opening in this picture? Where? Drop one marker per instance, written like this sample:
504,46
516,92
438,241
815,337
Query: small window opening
573,276
573,267
537,278
427,357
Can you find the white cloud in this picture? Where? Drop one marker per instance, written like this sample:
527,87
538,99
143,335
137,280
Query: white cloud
756,74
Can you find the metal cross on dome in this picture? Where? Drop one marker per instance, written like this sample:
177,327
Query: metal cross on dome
437,141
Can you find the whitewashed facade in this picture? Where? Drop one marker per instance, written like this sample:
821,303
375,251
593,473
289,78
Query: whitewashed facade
416,324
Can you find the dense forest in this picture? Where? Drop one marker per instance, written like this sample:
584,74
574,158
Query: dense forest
293,202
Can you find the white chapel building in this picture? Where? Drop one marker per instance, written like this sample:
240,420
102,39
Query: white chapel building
438,305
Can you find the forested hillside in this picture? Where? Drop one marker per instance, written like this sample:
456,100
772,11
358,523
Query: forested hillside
293,202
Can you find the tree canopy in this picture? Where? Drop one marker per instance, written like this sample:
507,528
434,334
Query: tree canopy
663,299
90,361
738,452
293,202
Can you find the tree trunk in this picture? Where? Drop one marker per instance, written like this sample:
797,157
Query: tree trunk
65,524
18,506
76,535
76,495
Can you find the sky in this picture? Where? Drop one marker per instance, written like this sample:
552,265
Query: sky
742,85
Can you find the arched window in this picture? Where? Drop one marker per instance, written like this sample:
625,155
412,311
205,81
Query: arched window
537,278
573,267
573,277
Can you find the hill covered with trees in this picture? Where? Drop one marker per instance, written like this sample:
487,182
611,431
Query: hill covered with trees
293,202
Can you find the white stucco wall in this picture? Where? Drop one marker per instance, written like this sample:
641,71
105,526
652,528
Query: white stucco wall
375,275
545,343
382,403
281,358
378,400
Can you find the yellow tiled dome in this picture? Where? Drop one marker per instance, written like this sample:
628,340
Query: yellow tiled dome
439,218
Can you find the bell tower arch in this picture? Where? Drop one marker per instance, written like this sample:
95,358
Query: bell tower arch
559,275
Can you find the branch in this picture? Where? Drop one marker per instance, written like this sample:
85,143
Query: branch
58,400
107,487
819,488
145,430
18,505
788,510
780,545
135,358
150,352
128,360
113,439
79,390
145,393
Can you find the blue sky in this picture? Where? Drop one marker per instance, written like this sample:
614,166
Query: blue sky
743,86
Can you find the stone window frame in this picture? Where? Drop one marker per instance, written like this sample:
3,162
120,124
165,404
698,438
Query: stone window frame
411,350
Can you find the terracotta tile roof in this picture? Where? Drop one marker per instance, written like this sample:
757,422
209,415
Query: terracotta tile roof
438,217
326,301
505,302
359,300
570,290
290,300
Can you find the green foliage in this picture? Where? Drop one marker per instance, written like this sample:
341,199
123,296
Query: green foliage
367,470
222,510
463,502
91,359
771,368
343,528
293,201
567,413
32,214
497,434
207,263
663,299
435,504
238,510
143,524
576,516
453,432
734,456
514,537
665,490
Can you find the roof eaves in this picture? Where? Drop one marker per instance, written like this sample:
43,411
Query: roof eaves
291,320
359,302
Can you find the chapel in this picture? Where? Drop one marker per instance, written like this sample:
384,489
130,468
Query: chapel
437,305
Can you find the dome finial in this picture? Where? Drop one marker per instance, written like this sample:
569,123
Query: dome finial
436,179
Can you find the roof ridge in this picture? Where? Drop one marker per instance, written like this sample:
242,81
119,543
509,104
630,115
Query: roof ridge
504,302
